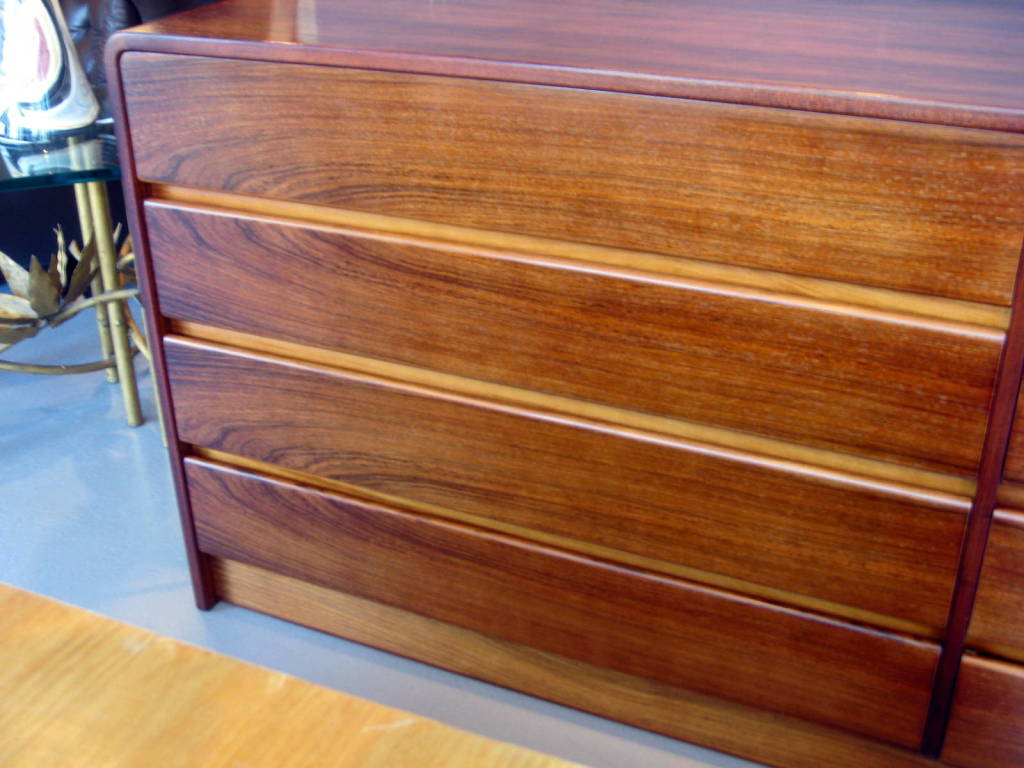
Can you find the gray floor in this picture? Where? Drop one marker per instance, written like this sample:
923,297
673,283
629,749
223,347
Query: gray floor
88,517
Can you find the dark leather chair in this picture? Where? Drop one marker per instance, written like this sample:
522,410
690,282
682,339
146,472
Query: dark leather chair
92,22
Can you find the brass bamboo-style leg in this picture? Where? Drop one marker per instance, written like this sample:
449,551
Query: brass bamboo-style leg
102,230
102,318
145,345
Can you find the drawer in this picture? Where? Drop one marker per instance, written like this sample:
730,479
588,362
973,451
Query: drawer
997,624
906,391
927,209
736,729
851,542
1014,469
592,611
986,727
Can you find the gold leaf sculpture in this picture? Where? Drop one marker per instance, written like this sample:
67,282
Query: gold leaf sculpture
44,297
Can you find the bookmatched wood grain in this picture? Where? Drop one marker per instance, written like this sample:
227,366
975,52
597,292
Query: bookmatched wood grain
858,544
919,208
629,621
955,62
997,624
890,388
986,729
765,737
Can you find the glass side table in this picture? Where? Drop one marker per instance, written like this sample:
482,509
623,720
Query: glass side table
86,165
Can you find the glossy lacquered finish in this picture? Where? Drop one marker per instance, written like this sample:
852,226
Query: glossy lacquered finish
997,624
1015,457
891,388
914,207
636,623
954,62
761,735
985,727
640,494
989,479
532,297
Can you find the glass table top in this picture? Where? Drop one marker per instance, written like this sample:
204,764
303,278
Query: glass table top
64,161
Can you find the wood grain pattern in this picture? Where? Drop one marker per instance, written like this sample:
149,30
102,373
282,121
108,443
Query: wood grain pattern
979,522
630,621
918,208
1011,494
987,726
156,327
849,295
750,733
997,624
891,207
803,532
887,387
1014,469
780,454
916,60
83,690
687,573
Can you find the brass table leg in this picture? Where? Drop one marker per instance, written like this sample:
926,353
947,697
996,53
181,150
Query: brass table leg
102,231
85,224
143,341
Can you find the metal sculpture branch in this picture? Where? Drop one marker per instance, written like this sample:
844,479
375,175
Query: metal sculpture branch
47,298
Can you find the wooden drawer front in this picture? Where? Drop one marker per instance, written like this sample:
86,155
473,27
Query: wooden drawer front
997,624
920,208
854,544
1014,469
737,729
630,621
986,728
864,384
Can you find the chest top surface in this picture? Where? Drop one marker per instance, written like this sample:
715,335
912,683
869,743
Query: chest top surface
937,61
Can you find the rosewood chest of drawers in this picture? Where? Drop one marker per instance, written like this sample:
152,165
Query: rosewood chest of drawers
656,358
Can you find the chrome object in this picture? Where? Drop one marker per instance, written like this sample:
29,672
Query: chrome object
44,94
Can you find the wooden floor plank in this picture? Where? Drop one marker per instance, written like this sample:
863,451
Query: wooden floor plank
83,690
